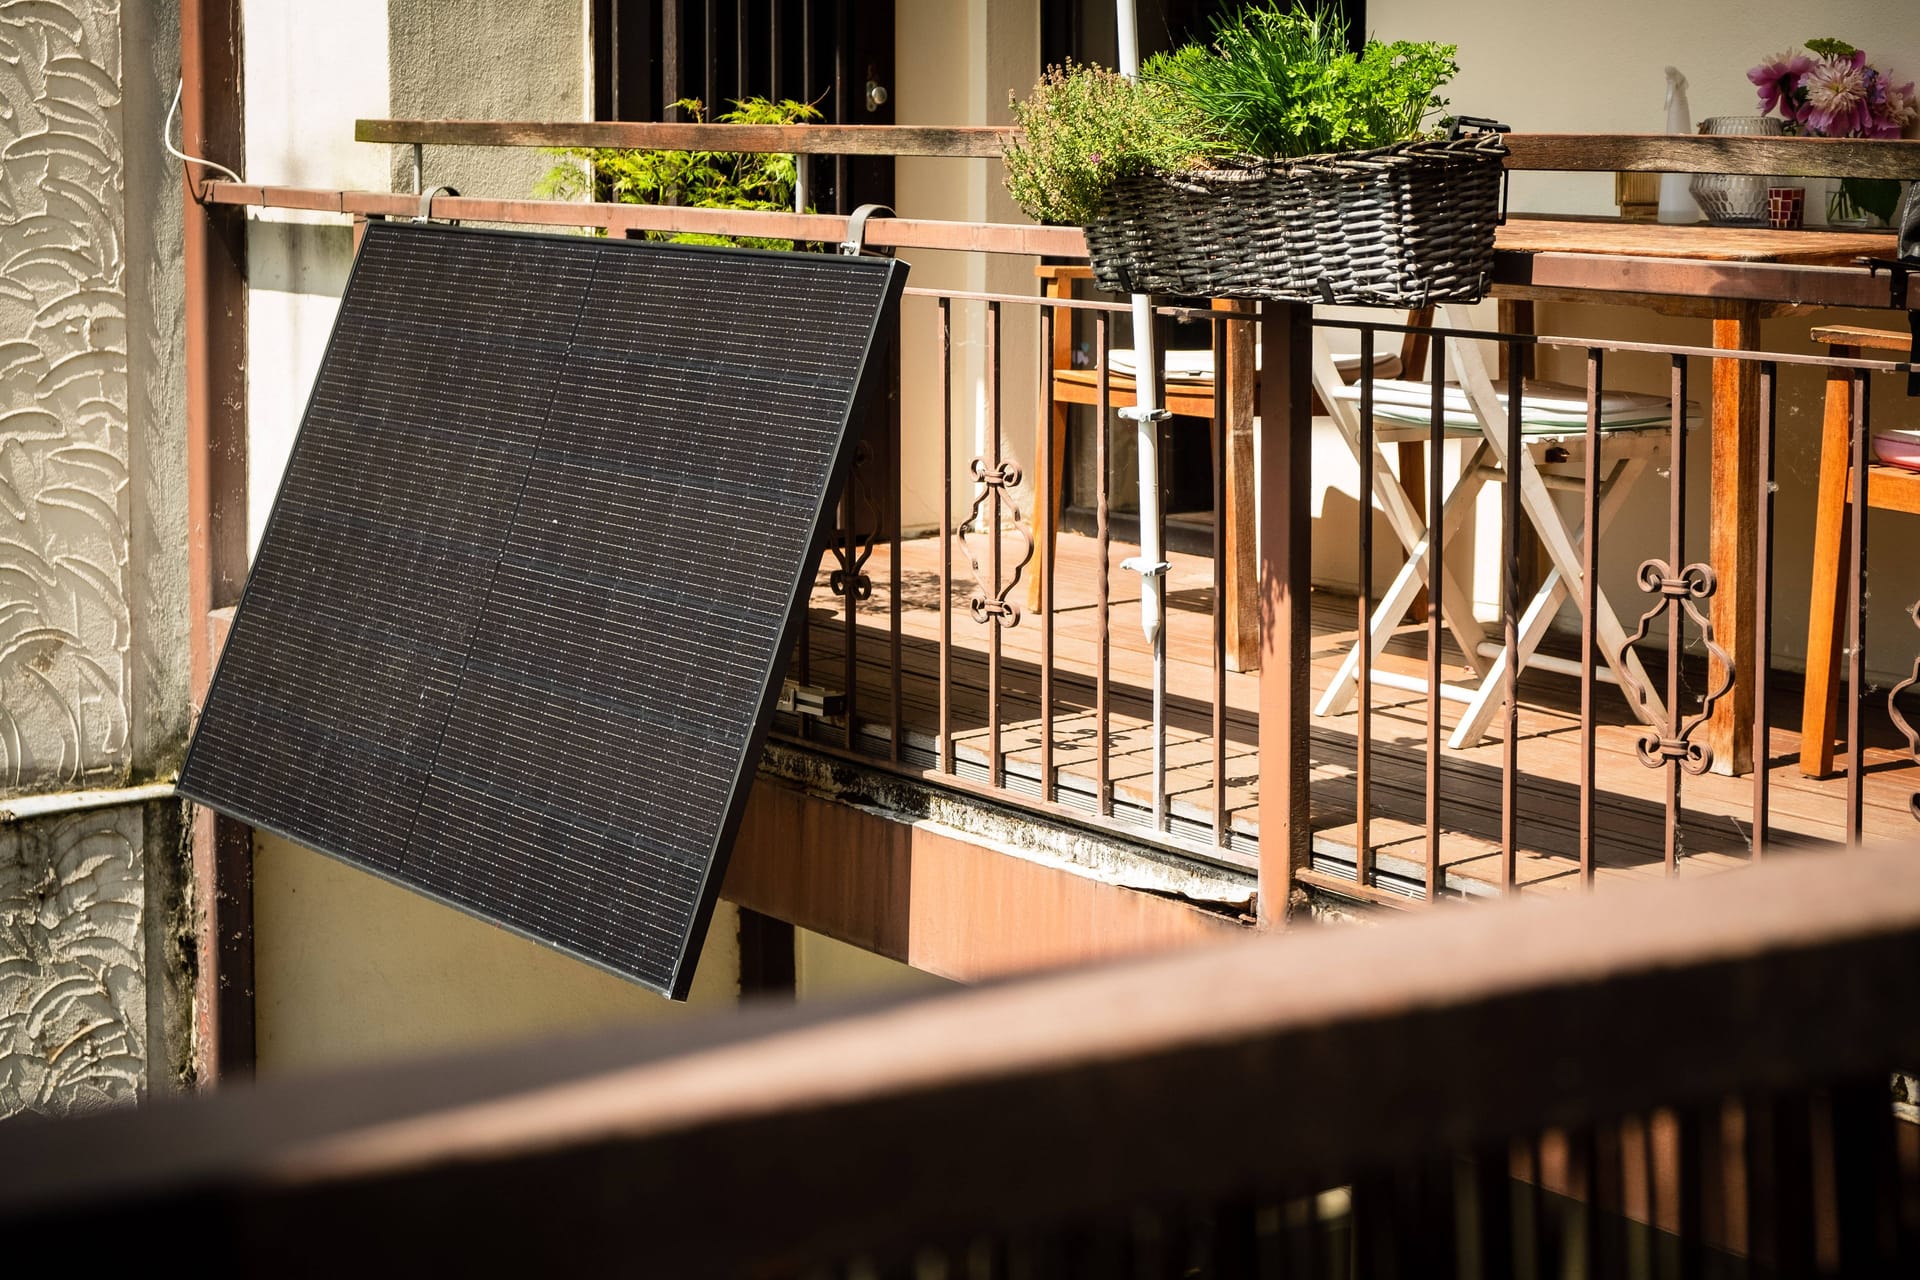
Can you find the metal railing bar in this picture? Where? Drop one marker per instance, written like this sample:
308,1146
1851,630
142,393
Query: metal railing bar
1103,536
1044,531
946,535
1363,728
1676,608
1436,605
1510,620
1857,616
1218,691
996,765
1589,617
1763,605
895,449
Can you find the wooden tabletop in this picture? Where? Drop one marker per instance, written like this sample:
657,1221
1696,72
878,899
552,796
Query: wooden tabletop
1701,242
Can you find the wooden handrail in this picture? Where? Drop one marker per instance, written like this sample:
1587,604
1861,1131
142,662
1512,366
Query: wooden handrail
1544,152
797,139
773,1137
1685,153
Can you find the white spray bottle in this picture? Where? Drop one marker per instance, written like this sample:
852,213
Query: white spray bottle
1676,202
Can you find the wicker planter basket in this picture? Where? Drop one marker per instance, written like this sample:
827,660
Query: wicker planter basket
1403,226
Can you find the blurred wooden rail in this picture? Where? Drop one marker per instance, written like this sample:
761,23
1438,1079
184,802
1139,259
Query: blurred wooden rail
760,1143
1555,152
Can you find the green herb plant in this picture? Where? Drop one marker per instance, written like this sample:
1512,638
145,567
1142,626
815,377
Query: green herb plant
695,179
1281,81
1086,127
1278,81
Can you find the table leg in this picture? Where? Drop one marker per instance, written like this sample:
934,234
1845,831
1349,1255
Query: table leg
1735,518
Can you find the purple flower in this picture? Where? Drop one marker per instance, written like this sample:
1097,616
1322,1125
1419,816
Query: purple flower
1837,93
1778,80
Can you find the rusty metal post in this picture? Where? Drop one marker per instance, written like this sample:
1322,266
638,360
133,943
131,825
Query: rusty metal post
1286,521
214,254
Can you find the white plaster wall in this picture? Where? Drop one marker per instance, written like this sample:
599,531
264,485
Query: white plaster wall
956,64
311,71
1591,68
1563,67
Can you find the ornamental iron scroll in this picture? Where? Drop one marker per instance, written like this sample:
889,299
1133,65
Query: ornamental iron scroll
1685,589
852,547
992,600
1900,721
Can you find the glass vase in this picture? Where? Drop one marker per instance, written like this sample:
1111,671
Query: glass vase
1847,203
1734,199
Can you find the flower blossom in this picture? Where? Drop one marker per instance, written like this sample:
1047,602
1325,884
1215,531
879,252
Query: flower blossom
1777,78
1837,97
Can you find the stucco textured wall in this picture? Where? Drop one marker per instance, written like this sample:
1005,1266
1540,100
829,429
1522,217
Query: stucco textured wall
93,620
73,991
64,619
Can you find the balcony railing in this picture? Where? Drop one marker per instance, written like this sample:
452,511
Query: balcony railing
1692,1080
931,657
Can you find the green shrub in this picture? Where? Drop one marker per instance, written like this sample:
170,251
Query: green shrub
1278,81
1281,82
1085,127
696,179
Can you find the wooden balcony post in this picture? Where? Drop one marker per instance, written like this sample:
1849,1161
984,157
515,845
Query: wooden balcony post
1285,519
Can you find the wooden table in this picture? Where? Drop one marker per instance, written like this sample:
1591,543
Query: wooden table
1735,389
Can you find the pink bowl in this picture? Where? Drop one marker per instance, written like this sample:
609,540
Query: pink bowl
1898,449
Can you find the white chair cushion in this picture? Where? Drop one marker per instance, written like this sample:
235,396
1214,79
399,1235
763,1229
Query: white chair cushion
1197,366
1546,408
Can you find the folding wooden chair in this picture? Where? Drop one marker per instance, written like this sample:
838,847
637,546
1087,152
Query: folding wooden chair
1554,422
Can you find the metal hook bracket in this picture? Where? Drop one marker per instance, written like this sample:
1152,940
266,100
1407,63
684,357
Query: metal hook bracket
426,204
856,242
1898,271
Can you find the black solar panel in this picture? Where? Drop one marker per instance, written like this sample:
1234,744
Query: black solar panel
521,611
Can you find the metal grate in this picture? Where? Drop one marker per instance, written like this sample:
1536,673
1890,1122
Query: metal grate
518,619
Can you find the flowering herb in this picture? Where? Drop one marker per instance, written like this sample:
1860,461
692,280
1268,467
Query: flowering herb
1830,90
1084,128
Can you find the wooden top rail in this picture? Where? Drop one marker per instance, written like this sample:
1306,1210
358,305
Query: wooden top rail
797,139
753,1143
1550,152
1686,153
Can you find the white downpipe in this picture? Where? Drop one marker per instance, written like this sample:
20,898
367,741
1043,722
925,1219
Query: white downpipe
1150,564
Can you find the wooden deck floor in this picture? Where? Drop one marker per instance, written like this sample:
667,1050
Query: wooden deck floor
1717,812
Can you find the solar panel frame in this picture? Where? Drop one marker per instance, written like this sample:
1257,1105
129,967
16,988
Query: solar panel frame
867,385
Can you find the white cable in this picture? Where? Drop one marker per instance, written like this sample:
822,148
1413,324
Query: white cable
166,140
